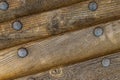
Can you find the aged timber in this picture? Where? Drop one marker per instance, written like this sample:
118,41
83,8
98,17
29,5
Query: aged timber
19,8
74,17
89,70
59,50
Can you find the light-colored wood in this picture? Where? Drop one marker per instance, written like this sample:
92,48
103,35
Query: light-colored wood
88,70
20,8
74,17
60,50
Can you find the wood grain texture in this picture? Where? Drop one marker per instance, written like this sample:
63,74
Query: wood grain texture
20,8
60,50
88,70
66,19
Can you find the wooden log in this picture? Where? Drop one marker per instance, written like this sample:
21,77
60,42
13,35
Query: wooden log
70,18
89,70
60,50
19,8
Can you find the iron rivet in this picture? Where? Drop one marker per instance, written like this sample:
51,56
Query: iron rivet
93,6
106,62
22,52
4,5
98,31
17,25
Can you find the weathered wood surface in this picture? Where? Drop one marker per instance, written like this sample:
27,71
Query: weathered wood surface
20,8
60,50
89,70
74,17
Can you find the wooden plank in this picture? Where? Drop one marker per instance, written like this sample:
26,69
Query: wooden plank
60,50
89,70
20,8
58,21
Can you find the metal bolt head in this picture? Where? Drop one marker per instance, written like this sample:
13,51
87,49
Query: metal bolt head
98,31
22,52
17,25
93,6
106,62
4,6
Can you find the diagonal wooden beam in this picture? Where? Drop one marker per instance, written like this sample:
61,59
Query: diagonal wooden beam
107,67
60,50
19,8
44,25
103,68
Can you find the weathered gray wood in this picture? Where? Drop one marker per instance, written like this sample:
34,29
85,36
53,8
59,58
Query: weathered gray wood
71,18
60,50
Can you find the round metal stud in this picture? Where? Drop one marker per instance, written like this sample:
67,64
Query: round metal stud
17,25
106,62
98,31
93,6
4,5
22,52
